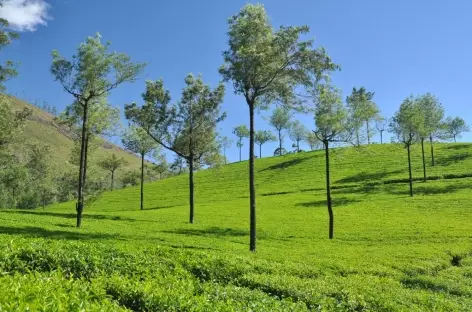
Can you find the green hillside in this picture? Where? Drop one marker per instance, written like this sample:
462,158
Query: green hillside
390,252
42,127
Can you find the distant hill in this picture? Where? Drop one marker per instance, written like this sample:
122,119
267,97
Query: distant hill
43,127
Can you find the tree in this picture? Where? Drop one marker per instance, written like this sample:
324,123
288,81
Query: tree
330,121
241,132
432,119
139,142
381,126
280,120
454,127
405,126
265,66
188,128
112,163
11,121
91,74
297,132
261,137
312,140
225,143
362,110
8,69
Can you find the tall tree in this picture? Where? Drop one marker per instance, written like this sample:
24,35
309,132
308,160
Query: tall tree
138,141
280,120
404,125
8,69
241,132
91,74
188,128
297,133
112,163
454,127
433,113
362,111
265,66
261,137
225,143
381,126
330,122
312,140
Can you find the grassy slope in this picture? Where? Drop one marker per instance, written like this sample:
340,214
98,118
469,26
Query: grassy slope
390,252
42,127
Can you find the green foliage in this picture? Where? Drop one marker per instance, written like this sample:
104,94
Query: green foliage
297,132
454,127
263,136
312,140
330,114
408,122
138,141
8,69
433,113
280,120
11,121
362,110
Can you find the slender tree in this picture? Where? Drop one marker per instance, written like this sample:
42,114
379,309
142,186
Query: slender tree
454,127
381,127
261,137
405,126
433,113
8,69
330,122
297,133
138,141
265,66
280,120
241,132
312,140
225,143
362,110
188,128
91,74
112,163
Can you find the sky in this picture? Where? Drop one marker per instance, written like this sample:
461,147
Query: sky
393,48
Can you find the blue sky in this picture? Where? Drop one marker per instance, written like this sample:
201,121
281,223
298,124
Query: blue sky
393,48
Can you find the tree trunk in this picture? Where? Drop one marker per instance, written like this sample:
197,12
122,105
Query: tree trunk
252,185
328,192
381,136
80,192
191,186
455,141
358,137
142,181
224,155
298,146
112,179
240,150
368,131
260,151
424,160
280,142
409,170
432,150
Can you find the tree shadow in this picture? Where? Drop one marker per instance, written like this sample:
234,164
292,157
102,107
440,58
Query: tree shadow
322,203
287,163
365,189
459,146
445,161
367,176
68,215
424,189
211,231
32,231
160,207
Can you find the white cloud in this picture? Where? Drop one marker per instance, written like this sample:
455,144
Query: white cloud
25,15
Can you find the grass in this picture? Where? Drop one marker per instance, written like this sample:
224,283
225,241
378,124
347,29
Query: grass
390,252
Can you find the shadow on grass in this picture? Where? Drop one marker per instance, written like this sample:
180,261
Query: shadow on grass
287,163
211,231
322,203
365,189
68,215
444,161
424,189
365,176
459,146
41,232
160,207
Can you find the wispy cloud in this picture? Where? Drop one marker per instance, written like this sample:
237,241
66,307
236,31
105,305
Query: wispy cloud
25,15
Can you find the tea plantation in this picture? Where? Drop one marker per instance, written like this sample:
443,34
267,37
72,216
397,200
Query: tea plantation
390,252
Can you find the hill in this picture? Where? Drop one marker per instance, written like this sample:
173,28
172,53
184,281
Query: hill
42,127
390,252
